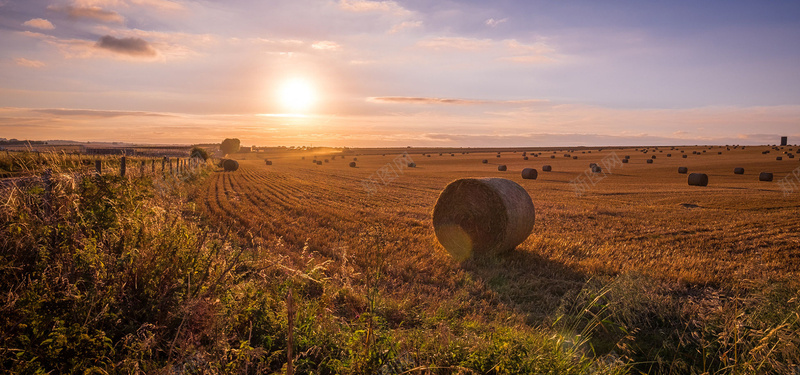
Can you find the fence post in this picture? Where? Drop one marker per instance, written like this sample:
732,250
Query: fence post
141,169
122,166
170,166
98,167
163,164
153,166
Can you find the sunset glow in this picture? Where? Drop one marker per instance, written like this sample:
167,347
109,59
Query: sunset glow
297,95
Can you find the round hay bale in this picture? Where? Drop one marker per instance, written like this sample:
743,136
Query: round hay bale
592,165
327,161
649,161
779,158
429,155
547,168
552,156
230,165
440,154
765,176
412,165
352,164
627,156
683,170
482,217
653,157
524,158
502,168
738,170
625,161
529,173
268,162
498,155
319,162
669,155
596,169
355,159
685,156
698,179
573,158
485,161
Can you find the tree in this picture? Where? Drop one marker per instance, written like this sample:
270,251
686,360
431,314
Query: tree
199,152
229,145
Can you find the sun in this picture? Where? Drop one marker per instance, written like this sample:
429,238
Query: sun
297,95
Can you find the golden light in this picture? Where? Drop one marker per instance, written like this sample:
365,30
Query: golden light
297,95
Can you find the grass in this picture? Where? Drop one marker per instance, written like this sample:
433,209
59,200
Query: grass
156,274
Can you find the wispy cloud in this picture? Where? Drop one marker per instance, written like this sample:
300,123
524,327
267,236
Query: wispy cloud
92,113
326,45
391,7
458,43
428,100
405,25
88,12
39,23
491,22
136,47
21,61
163,5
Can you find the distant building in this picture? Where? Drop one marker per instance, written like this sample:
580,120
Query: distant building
784,141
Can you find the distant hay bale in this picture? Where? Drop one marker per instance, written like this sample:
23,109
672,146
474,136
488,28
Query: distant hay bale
485,161
627,156
649,161
625,161
352,164
738,170
327,161
573,158
698,179
685,156
552,156
596,169
653,157
268,162
319,162
669,155
412,165
719,152
355,159
482,217
592,165
524,158
230,165
765,176
502,168
779,158
529,173
547,168
683,170
440,154
498,155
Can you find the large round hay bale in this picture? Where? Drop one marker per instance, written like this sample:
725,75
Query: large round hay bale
352,164
502,168
738,170
596,169
529,173
765,176
649,161
480,217
485,161
230,165
547,168
698,179
683,170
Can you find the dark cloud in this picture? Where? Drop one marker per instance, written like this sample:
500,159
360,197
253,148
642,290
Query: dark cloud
128,46
93,13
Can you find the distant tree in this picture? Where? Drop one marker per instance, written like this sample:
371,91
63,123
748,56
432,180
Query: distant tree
199,152
229,145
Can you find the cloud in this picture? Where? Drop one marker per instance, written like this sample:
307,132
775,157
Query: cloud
21,61
373,6
39,23
405,25
164,5
426,100
89,12
491,22
459,43
96,113
127,46
326,45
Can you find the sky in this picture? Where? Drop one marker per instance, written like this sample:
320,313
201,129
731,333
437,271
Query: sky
365,73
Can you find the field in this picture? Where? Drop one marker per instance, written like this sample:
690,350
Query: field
633,271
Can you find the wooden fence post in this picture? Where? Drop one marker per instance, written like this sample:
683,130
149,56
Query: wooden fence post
170,166
122,166
141,169
98,167
153,165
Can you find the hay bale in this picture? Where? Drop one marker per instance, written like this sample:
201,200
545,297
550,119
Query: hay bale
596,169
498,155
319,162
669,155
738,170
524,158
547,168
698,179
327,161
779,158
529,173
268,162
552,156
625,161
765,176
573,158
485,161
502,168
230,165
683,170
352,164
685,156
412,165
355,159
592,165
649,161
653,157
482,217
